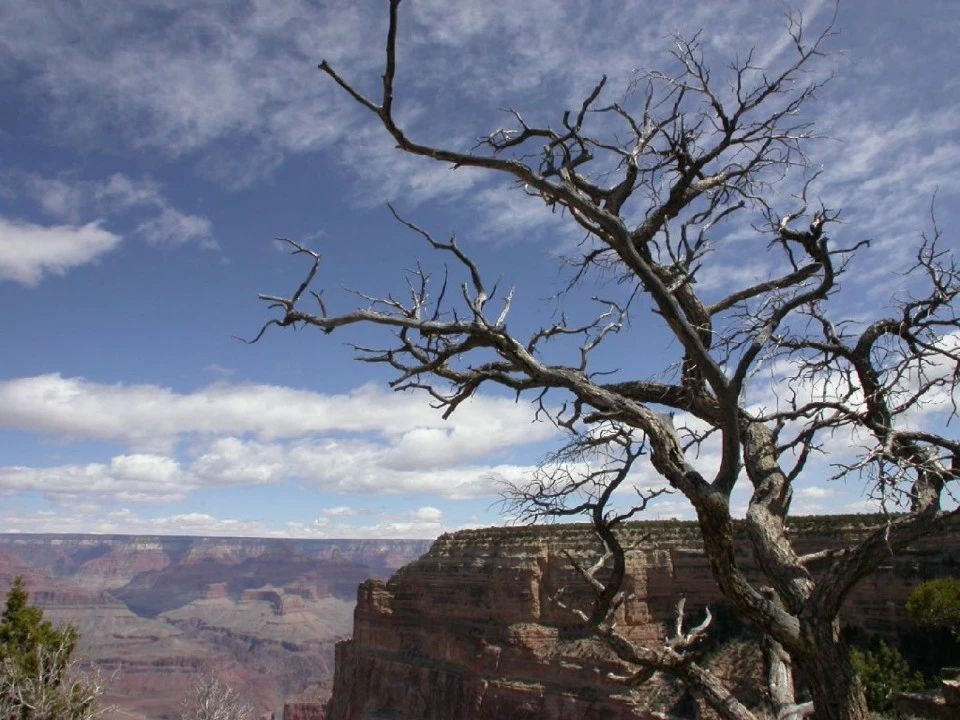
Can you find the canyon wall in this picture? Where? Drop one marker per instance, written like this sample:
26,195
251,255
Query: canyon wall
472,630
156,612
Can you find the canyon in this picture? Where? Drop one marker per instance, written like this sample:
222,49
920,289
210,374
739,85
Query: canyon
155,613
472,630
468,627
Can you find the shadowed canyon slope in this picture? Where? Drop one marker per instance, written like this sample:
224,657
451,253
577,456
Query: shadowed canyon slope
262,613
471,630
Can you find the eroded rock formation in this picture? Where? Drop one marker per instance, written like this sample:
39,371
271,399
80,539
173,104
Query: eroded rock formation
263,614
471,630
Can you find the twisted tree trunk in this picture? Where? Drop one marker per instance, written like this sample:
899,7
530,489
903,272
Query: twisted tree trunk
834,685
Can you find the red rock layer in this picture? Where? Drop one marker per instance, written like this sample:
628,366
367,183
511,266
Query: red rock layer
472,631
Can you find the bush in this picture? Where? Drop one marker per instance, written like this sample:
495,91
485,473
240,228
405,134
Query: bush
935,605
39,679
884,672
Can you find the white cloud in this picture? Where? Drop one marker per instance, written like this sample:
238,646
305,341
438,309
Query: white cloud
172,227
29,252
427,514
237,92
74,200
815,491
200,76
409,178
123,192
355,468
125,521
57,197
126,478
229,461
205,81
153,416
370,441
78,519
363,468
339,511
219,370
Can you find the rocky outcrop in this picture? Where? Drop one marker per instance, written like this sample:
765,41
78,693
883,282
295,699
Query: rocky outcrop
216,591
472,631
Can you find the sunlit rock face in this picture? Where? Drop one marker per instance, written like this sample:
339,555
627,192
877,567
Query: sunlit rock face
471,630
263,614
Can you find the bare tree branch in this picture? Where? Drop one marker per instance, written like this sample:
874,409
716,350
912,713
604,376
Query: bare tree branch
689,155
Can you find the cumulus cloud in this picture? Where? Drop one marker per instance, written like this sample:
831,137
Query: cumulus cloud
326,466
28,252
361,467
126,478
229,461
427,514
154,416
368,441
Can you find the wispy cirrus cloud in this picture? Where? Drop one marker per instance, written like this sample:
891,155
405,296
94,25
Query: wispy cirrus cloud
157,220
238,90
231,91
237,86
177,77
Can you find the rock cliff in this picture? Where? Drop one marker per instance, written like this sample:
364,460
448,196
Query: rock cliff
471,629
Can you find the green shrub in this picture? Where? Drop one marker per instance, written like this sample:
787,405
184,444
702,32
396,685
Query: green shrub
884,672
39,679
935,605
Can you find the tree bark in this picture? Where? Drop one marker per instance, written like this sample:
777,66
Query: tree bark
717,695
779,673
834,685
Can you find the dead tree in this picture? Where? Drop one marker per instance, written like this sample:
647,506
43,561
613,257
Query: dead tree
690,157
54,685
212,699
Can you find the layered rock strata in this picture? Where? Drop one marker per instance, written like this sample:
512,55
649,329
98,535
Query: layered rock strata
156,612
473,631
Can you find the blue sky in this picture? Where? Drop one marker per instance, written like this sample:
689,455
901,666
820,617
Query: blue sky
151,151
